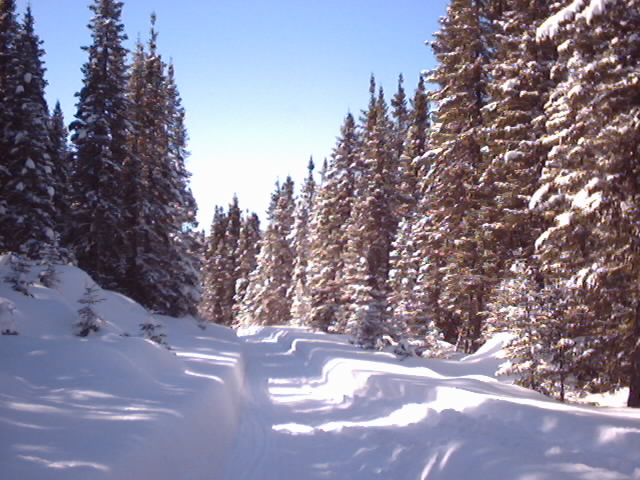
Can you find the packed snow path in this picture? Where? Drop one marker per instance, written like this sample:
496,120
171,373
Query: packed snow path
316,408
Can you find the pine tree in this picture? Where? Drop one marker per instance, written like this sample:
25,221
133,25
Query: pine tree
89,320
101,133
407,312
249,243
452,275
28,222
589,187
266,300
220,272
540,353
187,247
411,162
300,291
371,229
162,262
215,270
8,75
331,212
513,126
400,118
61,160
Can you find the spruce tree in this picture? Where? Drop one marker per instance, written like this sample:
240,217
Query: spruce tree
61,160
266,300
8,66
327,238
100,135
300,291
453,279
162,261
215,271
28,221
589,188
371,229
246,258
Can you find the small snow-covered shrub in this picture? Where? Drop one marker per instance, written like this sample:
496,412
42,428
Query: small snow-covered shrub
89,320
18,274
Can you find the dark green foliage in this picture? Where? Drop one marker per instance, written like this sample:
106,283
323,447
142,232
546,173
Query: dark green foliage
100,134
89,320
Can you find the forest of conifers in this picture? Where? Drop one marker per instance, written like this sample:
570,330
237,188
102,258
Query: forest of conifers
501,195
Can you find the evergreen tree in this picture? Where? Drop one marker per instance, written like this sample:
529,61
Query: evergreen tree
400,118
589,188
412,165
513,126
327,238
215,271
28,221
452,276
101,134
162,262
300,292
371,229
246,258
266,300
61,160
187,246
89,320
8,75
540,353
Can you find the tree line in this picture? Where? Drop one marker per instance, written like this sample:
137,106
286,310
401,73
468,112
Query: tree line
116,200
512,206
503,199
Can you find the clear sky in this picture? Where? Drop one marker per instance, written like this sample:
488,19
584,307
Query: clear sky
266,84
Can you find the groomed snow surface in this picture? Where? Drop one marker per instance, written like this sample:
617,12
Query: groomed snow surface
272,403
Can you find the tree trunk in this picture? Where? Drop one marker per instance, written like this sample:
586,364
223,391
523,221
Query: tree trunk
634,374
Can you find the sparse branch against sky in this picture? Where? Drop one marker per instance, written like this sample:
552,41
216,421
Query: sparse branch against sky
266,84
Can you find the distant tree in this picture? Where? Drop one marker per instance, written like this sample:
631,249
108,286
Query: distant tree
266,300
61,161
249,243
300,292
221,272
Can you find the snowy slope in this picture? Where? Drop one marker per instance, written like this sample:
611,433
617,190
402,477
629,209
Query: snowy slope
111,406
273,403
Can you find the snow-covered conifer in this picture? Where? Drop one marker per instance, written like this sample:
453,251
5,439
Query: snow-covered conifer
300,292
100,134
89,320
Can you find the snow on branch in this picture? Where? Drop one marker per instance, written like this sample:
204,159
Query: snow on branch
586,9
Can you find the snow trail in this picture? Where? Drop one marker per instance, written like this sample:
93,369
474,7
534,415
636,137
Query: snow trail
318,408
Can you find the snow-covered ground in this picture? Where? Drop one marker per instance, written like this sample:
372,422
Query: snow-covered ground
272,403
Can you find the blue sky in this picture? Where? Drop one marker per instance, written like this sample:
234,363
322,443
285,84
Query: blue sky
266,84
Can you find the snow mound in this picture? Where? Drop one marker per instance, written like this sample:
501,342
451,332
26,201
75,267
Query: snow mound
113,404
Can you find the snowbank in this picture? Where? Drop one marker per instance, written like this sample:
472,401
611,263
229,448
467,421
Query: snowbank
113,404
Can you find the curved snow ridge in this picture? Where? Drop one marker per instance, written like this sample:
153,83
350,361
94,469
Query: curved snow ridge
320,408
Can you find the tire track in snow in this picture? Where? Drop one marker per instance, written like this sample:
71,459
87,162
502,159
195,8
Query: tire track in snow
253,455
